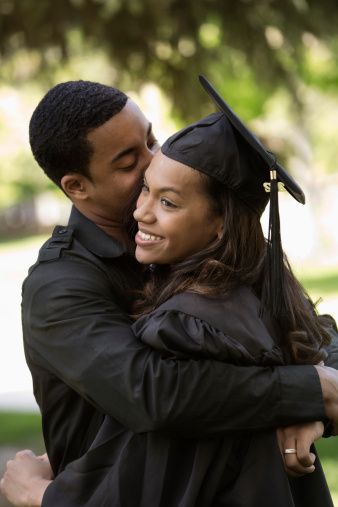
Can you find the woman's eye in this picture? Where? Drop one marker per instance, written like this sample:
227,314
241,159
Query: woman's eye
144,188
167,204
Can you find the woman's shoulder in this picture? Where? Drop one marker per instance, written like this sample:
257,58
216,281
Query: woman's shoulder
239,302
228,322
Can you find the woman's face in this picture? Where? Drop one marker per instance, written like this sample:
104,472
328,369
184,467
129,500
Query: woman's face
174,215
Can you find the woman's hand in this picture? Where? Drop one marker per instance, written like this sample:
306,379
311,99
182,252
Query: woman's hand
26,479
299,438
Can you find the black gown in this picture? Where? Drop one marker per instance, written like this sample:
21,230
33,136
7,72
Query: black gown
237,469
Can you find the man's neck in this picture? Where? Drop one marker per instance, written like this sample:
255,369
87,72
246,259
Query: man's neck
112,228
117,232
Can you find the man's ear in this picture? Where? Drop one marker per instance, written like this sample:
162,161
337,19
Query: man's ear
75,186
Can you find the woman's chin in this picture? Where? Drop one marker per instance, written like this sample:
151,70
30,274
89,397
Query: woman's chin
143,257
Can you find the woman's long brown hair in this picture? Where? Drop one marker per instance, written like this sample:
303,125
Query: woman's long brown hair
237,258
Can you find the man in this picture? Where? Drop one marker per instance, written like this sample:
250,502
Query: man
95,144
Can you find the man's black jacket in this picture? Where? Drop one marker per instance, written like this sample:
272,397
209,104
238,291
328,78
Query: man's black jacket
85,361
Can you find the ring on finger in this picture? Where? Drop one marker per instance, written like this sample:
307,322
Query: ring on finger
291,450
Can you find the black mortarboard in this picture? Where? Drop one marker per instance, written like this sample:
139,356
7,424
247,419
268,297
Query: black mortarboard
221,146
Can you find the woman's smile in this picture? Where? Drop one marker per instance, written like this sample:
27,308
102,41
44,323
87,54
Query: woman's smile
143,238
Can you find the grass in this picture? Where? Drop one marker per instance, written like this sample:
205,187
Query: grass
322,283
328,452
20,429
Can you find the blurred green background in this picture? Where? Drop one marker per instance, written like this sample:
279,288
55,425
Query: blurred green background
274,61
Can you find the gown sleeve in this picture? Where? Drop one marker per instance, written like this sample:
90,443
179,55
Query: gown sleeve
181,335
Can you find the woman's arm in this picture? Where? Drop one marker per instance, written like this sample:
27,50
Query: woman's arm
299,438
295,446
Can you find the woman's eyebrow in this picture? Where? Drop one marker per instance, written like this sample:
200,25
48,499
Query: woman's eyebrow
170,189
164,189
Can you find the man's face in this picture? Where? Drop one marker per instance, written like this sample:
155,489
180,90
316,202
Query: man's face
122,150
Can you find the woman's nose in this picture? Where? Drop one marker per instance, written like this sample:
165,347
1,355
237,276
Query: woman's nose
143,211
137,214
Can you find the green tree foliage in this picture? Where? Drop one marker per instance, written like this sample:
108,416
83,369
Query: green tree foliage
262,55
258,45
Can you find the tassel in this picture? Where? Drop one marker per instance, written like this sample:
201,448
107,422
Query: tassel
274,298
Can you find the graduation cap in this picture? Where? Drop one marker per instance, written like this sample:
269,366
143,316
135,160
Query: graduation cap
222,147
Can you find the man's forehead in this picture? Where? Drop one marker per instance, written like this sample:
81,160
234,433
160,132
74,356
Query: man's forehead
132,110
127,125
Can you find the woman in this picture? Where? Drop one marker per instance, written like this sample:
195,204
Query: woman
204,235
199,229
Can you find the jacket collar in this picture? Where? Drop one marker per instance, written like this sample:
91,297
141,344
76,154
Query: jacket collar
93,238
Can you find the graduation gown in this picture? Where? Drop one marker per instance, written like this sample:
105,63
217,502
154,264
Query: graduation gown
236,469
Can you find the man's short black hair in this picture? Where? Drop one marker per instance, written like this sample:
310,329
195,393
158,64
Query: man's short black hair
62,120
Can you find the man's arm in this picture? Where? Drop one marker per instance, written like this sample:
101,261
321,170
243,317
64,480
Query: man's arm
332,349
73,327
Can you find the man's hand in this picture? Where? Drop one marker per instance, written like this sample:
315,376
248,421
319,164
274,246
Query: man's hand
329,382
26,479
299,437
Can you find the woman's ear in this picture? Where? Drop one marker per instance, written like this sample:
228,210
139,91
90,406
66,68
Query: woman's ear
75,186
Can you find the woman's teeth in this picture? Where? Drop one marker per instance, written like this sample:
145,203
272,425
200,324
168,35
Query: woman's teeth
148,237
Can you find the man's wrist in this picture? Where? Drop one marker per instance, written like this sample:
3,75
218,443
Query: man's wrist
36,491
301,396
329,384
